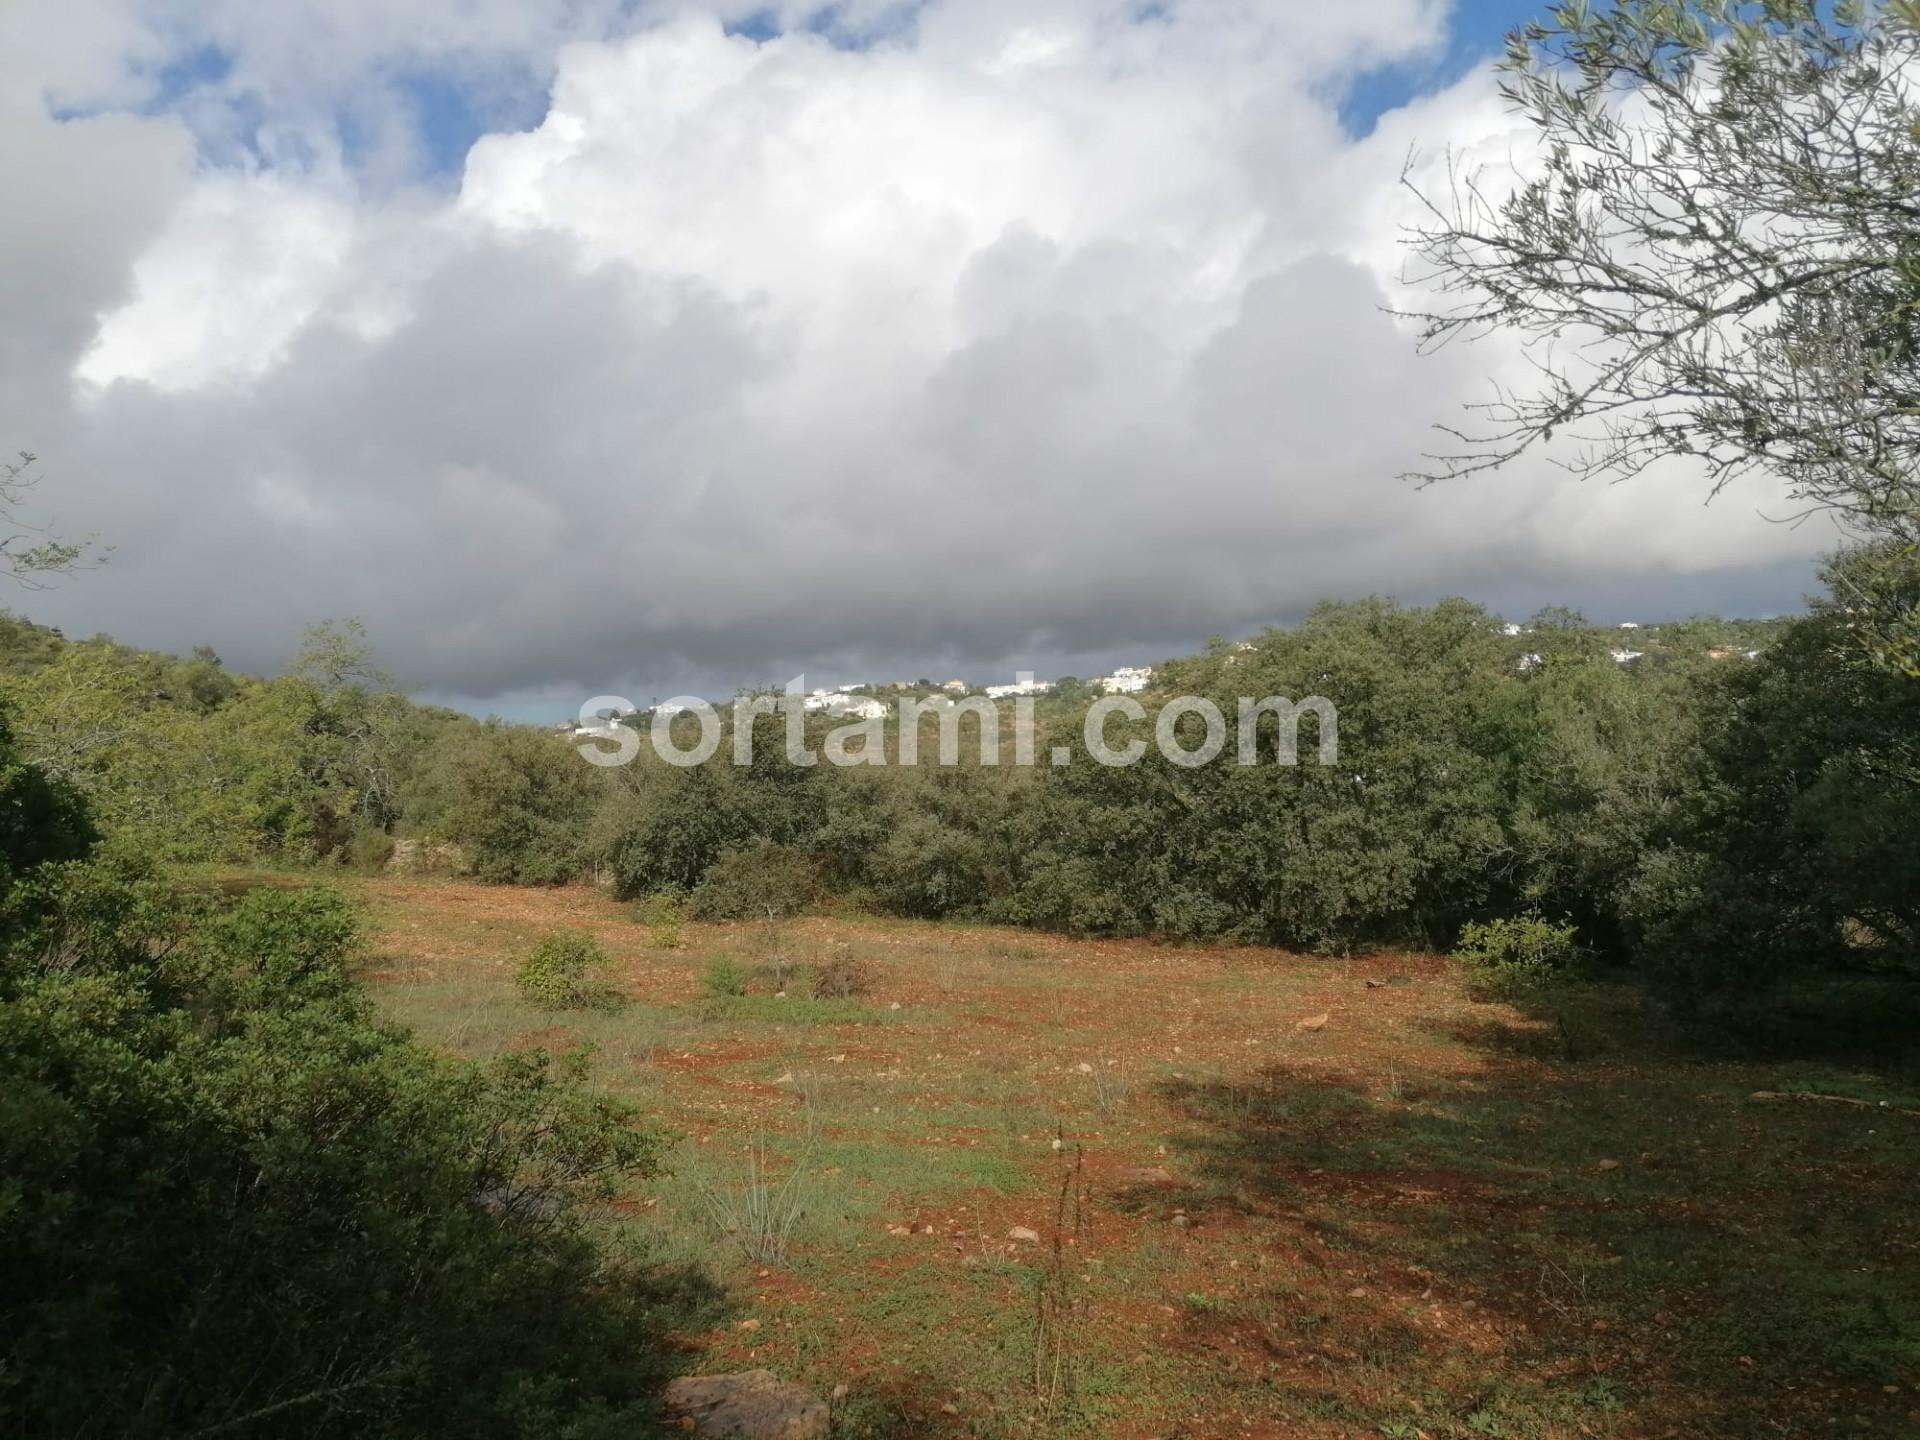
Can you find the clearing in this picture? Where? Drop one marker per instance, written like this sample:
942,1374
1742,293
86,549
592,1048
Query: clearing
1425,1216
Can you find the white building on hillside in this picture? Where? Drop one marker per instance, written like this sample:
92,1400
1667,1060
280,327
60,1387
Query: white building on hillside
1019,687
1127,680
838,702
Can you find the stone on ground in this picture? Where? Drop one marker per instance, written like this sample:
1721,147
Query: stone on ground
752,1405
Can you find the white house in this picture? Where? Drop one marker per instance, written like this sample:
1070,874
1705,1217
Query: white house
1127,680
1621,657
1022,687
838,702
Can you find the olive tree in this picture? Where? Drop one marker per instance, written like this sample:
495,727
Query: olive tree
26,551
1715,254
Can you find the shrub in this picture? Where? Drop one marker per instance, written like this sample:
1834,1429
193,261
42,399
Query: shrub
239,1202
1514,955
665,913
519,803
843,977
554,974
760,881
368,851
724,978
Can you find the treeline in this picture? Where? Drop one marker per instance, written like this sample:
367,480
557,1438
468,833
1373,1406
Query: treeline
1721,823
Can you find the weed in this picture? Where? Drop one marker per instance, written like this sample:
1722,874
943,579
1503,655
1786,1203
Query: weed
843,977
761,1215
1057,1323
665,914
724,977
1112,1084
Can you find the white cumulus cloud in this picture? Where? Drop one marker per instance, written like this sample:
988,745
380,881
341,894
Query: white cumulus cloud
958,334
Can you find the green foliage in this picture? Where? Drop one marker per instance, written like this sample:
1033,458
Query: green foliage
557,973
762,880
42,820
235,1199
665,913
675,823
1672,135
518,802
723,978
1517,955
1800,853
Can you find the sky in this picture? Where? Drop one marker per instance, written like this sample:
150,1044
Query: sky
641,348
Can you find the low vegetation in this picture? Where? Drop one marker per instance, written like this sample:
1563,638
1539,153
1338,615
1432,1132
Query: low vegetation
1420,1215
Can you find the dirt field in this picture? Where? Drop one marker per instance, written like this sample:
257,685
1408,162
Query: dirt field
1271,1195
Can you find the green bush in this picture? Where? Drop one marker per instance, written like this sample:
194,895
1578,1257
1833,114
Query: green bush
759,881
665,914
556,973
519,802
724,978
1515,955
239,1202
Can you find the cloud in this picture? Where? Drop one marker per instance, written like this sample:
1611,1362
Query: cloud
965,335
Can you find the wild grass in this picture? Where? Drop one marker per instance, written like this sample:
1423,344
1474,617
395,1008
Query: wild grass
760,1212
1425,1219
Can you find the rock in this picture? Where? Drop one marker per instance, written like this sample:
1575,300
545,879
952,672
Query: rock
1314,1022
1606,1165
752,1405
1021,1232
1180,1220
1084,1068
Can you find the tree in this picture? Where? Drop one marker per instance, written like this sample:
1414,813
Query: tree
1719,256
30,552
1798,855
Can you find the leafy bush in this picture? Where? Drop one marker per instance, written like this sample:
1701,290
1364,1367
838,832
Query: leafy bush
239,1201
724,977
1515,955
555,974
665,913
760,881
519,802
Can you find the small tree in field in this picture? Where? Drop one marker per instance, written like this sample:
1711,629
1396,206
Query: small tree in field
1718,256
